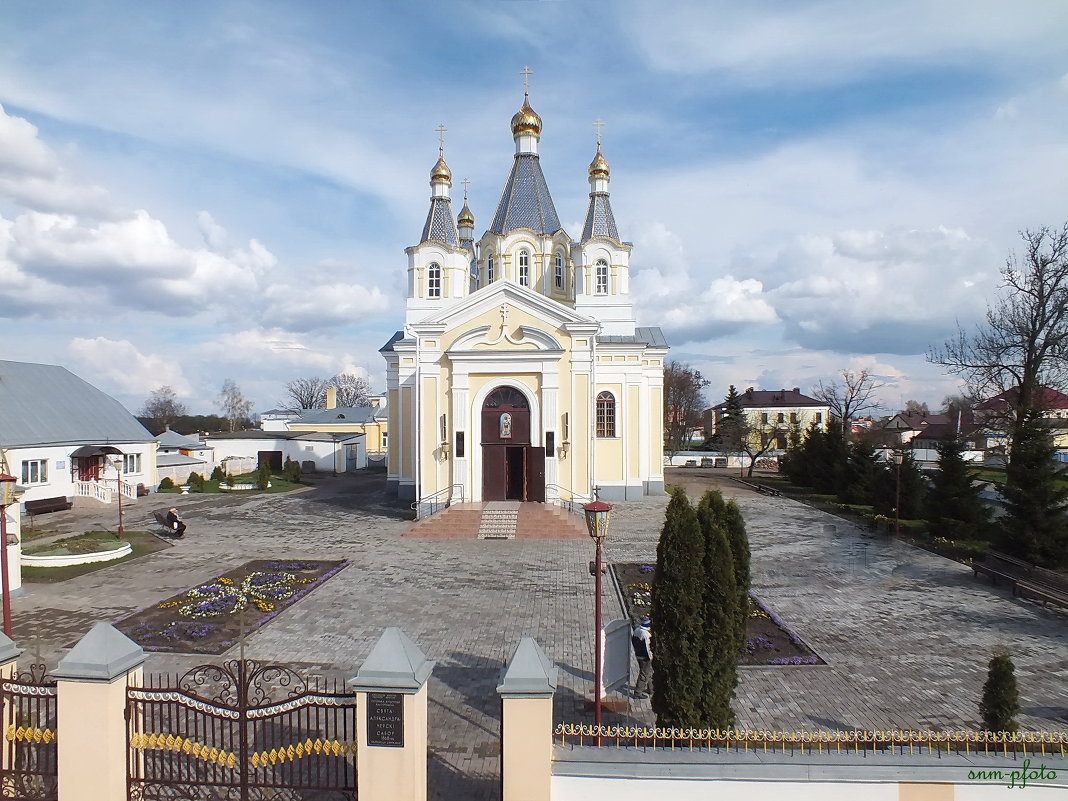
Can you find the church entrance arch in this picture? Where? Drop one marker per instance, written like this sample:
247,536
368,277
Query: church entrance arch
512,468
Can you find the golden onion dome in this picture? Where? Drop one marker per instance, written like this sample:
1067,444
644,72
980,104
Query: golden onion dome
598,167
466,217
526,120
441,171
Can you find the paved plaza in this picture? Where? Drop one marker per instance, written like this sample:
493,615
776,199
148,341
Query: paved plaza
906,634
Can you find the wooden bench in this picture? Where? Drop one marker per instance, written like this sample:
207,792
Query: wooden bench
44,505
1002,566
1045,586
768,491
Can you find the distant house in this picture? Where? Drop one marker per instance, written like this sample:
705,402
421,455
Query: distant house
925,442
783,410
277,419
904,426
61,437
371,421
179,456
994,414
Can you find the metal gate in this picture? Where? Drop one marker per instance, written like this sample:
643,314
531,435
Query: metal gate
240,731
28,762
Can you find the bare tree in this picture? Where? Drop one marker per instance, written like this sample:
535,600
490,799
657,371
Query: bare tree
305,393
235,408
854,394
163,406
916,407
1022,344
684,404
352,389
751,433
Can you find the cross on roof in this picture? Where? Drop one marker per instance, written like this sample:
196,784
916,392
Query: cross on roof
504,315
465,182
526,72
441,129
598,124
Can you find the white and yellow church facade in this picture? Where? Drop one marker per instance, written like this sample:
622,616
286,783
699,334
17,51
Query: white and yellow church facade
521,373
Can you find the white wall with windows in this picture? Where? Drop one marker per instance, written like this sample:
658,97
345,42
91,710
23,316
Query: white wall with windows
45,471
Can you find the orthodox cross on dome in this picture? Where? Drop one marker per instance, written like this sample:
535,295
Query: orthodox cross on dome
598,124
465,182
526,72
441,129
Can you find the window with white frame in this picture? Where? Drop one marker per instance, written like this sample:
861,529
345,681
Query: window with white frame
433,281
35,471
601,277
489,269
385,439
558,272
606,415
524,268
131,463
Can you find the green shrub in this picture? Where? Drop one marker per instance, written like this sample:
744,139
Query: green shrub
166,483
1001,697
291,471
263,475
195,482
218,474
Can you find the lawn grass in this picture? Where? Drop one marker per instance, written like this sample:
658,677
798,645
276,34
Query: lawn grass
142,542
89,542
997,475
278,484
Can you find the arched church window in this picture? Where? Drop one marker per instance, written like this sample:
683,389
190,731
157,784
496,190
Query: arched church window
489,269
601,277
558,277
606,415
433,281
524,268
506,397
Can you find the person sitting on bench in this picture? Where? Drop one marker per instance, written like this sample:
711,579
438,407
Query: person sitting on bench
175,523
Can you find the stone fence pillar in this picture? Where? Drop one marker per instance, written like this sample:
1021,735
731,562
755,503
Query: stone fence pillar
526,689
391,720
91,714
9,653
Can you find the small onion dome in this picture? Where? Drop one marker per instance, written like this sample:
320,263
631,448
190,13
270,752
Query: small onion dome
441,171
526,120
466,217
598,167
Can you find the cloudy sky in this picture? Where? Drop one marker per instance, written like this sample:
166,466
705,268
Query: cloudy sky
218,189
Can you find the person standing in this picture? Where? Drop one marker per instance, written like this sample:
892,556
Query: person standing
641,640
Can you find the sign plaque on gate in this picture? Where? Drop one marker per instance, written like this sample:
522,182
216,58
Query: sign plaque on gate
385,719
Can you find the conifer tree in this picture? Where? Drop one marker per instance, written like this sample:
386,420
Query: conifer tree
954,509
719,658
1034,526
738,541
678,624
1001,698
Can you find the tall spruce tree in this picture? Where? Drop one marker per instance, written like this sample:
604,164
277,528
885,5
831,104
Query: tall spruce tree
1001,698
858,473
677,614
954,509
719,658
1034,526
738,540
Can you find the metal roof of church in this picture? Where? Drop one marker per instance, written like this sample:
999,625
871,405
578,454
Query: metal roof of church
45,404
599,218
526,202
650,335
440,225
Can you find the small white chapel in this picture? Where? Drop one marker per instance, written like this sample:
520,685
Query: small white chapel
521,373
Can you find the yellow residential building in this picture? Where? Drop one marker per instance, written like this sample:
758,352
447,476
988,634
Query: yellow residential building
521,373
372,421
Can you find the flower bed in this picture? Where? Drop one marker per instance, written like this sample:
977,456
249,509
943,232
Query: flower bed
769,641
207,619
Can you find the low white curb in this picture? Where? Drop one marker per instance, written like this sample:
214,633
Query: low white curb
66,560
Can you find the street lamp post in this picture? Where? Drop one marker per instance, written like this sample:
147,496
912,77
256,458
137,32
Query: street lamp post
899,457
597,514
117,462
7,493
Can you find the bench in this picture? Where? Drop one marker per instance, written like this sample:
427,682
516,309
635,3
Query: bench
690,463
44,505
708,461
1002,566
774,493
166,530
1045,586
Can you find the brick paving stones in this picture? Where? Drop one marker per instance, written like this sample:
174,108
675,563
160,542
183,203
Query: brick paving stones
906,634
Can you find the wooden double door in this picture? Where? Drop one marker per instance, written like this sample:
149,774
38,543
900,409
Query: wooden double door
512,468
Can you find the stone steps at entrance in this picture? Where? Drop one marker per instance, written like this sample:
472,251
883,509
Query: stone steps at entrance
501,520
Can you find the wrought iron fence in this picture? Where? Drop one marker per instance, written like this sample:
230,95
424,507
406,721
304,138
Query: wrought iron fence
28,765
899,742
239,731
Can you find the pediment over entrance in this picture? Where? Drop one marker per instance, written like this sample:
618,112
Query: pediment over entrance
494,338
511,295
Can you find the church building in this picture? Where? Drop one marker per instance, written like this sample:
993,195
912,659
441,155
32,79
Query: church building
521,373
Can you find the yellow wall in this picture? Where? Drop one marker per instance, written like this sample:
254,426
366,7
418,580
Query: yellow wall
633,422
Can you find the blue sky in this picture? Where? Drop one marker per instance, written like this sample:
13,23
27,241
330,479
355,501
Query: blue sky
197,191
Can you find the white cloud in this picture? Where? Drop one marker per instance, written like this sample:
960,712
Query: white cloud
119,363
305,308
